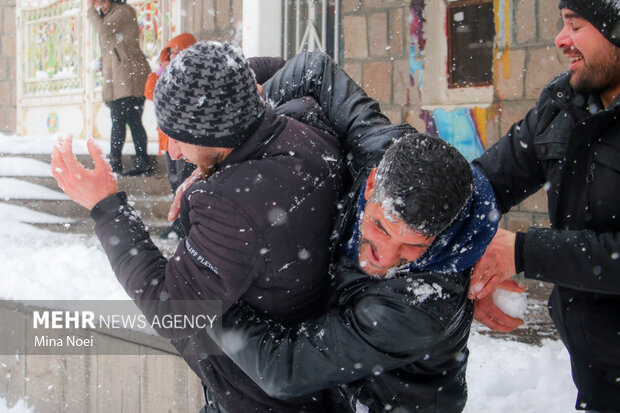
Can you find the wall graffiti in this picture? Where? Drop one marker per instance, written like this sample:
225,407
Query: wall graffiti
463,127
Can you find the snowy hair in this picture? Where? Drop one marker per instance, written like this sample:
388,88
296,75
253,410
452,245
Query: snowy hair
423,181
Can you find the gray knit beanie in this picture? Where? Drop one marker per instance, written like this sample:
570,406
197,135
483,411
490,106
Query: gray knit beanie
603,14
207,96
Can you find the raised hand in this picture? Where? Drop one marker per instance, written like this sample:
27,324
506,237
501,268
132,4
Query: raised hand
85,186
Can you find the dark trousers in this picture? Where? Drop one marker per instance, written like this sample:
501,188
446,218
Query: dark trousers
127,111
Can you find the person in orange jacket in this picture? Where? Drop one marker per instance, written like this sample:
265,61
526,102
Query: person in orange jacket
178,170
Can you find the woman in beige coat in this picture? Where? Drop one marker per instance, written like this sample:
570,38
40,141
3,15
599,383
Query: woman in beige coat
125,70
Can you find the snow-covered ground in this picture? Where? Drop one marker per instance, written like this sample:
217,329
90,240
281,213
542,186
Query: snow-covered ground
503,376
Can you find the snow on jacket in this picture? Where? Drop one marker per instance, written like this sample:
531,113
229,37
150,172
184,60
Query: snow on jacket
258,230
570,145
124,66
397,343
182,42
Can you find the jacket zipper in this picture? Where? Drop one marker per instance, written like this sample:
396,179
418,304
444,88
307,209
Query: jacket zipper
590,175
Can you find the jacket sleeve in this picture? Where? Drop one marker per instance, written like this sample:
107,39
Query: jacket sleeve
363,338
592,260
511,165
515,173
205,266
354,116
149,86
265,67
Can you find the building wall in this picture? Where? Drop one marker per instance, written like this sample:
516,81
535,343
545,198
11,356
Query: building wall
8,68
214,19
378,45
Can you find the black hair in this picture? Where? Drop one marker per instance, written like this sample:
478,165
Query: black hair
423,181
118,1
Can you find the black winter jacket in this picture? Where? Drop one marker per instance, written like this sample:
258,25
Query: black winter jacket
258,230
392,347
569,144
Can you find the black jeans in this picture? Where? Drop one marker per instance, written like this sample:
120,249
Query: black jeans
127,111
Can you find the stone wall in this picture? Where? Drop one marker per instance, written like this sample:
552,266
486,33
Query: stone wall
376,55
8,68
214,19
376,52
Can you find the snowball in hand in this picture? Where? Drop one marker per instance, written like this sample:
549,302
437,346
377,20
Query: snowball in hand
512,303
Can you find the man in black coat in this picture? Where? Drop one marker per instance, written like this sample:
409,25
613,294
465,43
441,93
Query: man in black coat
570,145
406,237
257,226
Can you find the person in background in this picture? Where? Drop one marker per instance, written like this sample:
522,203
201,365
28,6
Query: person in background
570,145
178,170
125,70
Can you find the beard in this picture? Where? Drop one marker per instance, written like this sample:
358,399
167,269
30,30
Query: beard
600,73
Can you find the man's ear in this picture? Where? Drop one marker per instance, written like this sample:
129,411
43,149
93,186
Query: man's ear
370,184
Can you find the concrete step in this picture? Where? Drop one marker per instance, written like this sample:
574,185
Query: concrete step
138,186
150,195
87,226
157,162
152,208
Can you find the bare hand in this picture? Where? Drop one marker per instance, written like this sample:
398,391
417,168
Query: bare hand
175,208
85,186
489,314
496,265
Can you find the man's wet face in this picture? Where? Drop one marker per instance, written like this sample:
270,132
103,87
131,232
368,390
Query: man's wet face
387,242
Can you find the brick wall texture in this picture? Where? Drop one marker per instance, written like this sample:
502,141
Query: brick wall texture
376,55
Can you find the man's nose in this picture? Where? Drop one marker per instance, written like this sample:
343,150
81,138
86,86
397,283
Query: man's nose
174,149
563,40
389,254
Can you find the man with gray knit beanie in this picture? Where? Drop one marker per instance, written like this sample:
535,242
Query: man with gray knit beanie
258,223
570,144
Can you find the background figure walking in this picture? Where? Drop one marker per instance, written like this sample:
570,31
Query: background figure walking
178,170
125,70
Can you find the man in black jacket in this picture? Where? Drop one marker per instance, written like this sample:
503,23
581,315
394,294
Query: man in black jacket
257,228
570,144
396,337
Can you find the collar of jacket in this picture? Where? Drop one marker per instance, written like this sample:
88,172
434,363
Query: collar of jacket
268,129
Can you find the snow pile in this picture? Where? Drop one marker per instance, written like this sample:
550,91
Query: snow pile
15,189
19,166
512,377
20,407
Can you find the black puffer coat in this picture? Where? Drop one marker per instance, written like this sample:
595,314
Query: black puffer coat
258,230
569,144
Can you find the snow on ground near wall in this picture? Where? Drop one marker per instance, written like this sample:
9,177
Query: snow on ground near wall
512,377
12,144
11,188
15,213
19,166
19,407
